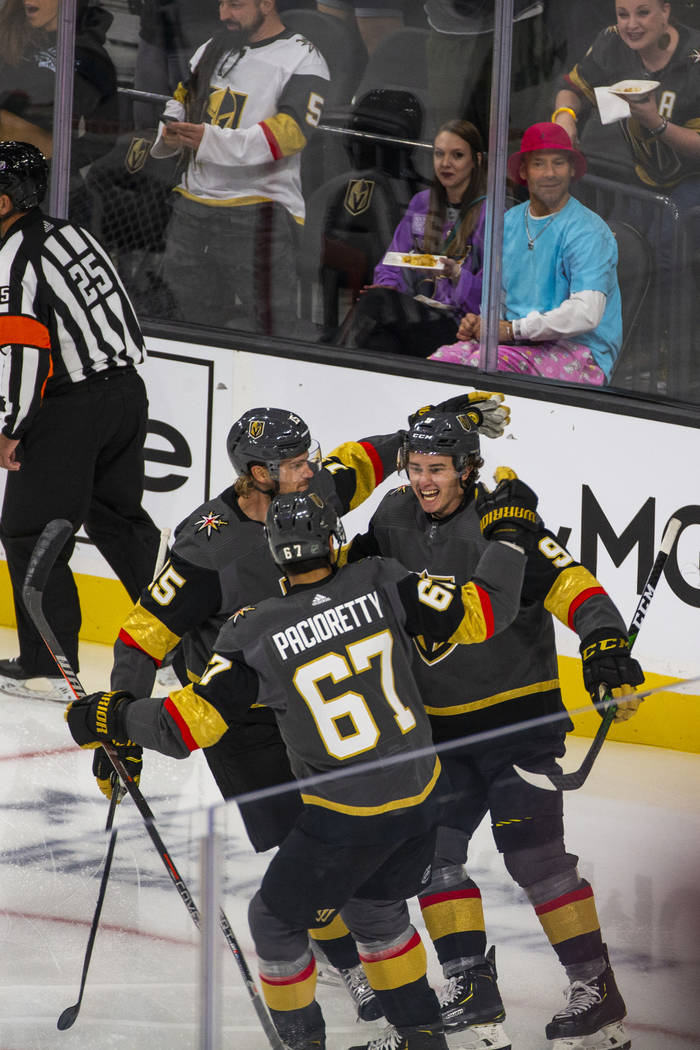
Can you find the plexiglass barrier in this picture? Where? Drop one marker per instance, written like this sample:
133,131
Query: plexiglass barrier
154,981
277,224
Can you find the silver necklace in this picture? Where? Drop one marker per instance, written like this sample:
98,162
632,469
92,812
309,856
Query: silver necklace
530,239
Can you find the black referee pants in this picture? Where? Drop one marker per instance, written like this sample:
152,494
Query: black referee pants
81,459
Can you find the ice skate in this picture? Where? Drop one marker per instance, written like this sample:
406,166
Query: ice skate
360,991
418,1038
471,1005
15,681
592,1017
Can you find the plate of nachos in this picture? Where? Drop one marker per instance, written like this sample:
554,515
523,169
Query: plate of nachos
414,260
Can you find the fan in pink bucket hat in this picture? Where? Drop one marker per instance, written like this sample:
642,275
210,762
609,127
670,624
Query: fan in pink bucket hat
541,137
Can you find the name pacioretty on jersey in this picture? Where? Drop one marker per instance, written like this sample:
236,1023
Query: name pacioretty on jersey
340,619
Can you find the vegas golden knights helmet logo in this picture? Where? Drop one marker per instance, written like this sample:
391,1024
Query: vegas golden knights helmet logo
137,154
358,196
256,428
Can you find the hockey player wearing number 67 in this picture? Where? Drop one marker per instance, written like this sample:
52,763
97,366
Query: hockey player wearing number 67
432,526
332,659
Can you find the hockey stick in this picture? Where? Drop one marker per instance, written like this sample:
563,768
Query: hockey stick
573,780
69,1015
43,557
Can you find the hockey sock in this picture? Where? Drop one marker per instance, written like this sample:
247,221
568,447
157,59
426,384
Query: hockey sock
396,970
565,906
454,918
336,944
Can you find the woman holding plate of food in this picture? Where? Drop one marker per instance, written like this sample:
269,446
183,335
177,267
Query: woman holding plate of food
432,273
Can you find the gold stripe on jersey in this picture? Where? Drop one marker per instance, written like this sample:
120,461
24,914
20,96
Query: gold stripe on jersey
149,633
335,929
354,457
582,85
396,970
203,722
491,701
288,138
569,585
473,626
373,811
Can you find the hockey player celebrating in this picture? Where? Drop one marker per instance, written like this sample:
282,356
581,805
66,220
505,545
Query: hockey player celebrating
432,526
220,562
332,661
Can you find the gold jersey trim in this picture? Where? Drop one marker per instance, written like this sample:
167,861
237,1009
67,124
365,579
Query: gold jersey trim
372,811
205,724
149,633
491,701
569,584
231,202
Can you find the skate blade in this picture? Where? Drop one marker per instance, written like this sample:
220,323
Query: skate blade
479,1037
611,1037
32,689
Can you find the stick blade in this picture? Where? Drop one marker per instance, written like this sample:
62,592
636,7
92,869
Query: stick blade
48,547
67,1018
538,780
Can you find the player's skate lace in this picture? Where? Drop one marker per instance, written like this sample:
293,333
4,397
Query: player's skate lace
390,1039
361,992
580,997
451,990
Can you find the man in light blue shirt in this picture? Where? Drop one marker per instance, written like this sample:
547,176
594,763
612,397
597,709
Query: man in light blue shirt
562,312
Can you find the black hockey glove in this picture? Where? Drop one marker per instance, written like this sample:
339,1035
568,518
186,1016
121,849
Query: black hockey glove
484,409
508,513
608,667
103,770
99,718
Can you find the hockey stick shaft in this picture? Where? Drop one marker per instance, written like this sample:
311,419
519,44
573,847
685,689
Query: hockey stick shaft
45,552
575,779
69,1015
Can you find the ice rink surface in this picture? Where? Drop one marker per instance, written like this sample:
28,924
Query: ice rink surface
635,826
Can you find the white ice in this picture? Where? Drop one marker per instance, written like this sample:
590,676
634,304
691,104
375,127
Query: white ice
634,825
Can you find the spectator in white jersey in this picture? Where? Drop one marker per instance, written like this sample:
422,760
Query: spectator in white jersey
74,409
241,120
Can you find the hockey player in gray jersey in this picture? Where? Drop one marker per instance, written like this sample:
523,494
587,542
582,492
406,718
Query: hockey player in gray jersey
219,562
332,660
432,526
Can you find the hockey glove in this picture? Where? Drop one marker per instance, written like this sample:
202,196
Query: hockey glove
99,718
103,770
484,409
508,513
609,667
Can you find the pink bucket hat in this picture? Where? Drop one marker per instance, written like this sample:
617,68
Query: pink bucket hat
545,136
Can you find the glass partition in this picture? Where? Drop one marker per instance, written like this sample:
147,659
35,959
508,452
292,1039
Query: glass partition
283,228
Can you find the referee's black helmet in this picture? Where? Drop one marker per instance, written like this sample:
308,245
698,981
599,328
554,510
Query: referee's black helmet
24,174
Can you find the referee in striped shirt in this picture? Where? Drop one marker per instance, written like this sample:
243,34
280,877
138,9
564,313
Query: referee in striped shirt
73,409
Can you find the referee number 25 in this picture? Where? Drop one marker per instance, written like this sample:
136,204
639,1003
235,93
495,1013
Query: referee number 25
91,278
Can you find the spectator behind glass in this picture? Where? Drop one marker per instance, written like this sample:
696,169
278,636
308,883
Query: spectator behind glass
562,300
28,74
375,19
241,120
447,220
169,33
662,129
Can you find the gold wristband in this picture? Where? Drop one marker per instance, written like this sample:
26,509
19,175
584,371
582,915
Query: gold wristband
562,109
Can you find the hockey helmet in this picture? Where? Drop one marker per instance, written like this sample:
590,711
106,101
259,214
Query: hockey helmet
269,436
24,174
442,434
298,527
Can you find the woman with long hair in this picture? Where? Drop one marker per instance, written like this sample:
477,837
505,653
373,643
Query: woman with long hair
411,310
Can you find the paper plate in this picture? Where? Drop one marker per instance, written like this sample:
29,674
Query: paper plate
632,89
398,259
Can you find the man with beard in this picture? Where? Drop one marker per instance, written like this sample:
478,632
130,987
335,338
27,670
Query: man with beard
562,310
240,122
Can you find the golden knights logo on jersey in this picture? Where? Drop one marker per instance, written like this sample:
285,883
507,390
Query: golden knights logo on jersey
433,652
209,522
225,107
358,196
256,428
137,154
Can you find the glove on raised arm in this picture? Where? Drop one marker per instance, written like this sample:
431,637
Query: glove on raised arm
99,718
508,513
608,666
103,770
484,409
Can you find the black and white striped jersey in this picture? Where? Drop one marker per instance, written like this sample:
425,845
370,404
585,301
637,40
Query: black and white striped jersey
64,315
